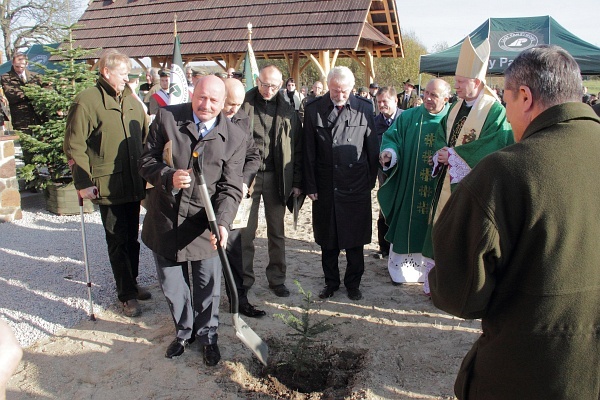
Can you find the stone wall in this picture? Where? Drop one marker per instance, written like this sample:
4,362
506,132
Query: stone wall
10,198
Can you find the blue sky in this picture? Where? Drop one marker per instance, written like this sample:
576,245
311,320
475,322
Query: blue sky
451,21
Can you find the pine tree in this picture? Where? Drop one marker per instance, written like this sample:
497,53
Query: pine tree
51,101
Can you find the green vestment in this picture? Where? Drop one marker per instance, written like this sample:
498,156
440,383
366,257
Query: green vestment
495,134
406,195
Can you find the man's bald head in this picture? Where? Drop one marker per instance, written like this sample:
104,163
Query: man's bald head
208,98
234,96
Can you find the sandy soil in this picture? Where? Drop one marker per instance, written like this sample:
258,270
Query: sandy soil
412,349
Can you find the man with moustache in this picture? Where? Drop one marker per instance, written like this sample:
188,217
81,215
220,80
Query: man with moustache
176,226
234,98
406,195
340,170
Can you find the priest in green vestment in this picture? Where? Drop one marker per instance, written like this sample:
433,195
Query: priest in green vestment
474,127
405,197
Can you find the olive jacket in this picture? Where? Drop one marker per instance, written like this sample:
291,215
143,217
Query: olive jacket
517,246
104,140
288,143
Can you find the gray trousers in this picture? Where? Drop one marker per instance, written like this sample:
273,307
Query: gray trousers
195,312
267,187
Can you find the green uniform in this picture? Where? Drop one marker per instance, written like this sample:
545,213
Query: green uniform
406,195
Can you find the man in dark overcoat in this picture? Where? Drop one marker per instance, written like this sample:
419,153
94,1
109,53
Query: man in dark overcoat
340,169
21,110
176,227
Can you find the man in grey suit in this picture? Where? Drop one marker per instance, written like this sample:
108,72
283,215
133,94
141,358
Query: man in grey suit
176,226
340,168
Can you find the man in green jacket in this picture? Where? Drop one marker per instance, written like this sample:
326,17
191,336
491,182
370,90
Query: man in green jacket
106,127
276,129
517,243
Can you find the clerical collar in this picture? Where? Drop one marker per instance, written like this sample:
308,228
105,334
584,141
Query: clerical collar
470,103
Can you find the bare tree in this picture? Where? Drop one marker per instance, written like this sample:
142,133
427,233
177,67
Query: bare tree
26,22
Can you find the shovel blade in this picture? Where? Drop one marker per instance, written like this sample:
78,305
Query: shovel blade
251,339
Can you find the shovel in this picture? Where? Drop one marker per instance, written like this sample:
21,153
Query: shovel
242,330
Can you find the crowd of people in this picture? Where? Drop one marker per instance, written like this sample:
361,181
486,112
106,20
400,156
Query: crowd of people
480,199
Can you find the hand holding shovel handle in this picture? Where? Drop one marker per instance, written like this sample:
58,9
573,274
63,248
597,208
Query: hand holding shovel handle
242,330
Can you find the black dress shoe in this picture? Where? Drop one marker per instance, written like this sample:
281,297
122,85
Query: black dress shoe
281,291
354,294
250,311
177,347
327,292
211,354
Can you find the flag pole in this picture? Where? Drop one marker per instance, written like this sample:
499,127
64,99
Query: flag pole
249,32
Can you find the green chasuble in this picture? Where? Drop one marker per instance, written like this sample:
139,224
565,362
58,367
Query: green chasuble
406,195
471,146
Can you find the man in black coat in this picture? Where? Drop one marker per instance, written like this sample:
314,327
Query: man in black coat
176,226
340,169
234,98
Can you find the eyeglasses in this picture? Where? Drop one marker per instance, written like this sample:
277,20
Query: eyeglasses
267,86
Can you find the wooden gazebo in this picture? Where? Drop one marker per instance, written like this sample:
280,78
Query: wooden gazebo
299,31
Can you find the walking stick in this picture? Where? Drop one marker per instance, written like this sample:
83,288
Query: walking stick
242,330
85,258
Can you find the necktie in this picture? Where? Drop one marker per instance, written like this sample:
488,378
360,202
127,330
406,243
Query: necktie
24,77
339,108
201,128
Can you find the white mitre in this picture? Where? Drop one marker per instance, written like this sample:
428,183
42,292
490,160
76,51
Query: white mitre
473,62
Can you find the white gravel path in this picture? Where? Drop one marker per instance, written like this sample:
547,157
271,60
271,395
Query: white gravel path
42,273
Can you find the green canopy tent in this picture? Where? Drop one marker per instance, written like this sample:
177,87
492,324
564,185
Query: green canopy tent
36,54
508,37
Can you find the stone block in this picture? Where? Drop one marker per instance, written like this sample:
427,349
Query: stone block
10,198
8,149
8,169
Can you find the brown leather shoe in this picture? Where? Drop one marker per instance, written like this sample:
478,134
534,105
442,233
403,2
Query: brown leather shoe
143,293
131,308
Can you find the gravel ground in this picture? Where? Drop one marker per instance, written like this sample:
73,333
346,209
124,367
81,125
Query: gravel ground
42,273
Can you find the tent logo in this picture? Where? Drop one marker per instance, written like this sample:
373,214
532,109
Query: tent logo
517,41
40,58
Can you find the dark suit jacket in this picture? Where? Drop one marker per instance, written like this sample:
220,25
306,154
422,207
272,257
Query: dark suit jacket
412,100
252,160
176,226
340,164
381,126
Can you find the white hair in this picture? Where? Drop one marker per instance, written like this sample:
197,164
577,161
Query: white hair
341,74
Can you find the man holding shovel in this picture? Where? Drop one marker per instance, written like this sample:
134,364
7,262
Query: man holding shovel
176,227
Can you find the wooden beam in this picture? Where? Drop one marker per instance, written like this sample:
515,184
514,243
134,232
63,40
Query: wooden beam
335,56
295,70
140,63
306,64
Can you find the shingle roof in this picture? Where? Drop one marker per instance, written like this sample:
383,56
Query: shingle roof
210,29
